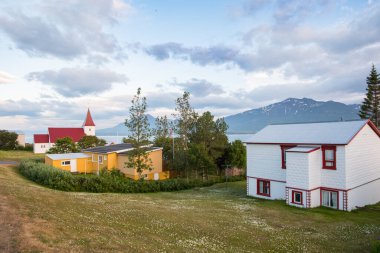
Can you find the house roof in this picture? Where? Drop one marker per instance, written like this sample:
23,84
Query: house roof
149,149
57,133
118,148
88,121
338,133
302,149
67,156
41,138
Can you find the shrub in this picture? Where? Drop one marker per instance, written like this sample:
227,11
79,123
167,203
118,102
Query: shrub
107,181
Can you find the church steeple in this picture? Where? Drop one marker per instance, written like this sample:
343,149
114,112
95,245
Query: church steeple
88,121
88,124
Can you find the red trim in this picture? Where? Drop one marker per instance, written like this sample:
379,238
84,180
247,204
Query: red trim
324,161
293,198
266,179
312,150
283,150
266,184
296,144
316,188
329,190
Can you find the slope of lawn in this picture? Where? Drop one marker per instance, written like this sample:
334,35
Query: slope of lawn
17,155
213,219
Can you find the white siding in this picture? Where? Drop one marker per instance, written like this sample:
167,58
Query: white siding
315,198
277,189
315,167
41,148
264,161
297,170
364,195
335,178
363,158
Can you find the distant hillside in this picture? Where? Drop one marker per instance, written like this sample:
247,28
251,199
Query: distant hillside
121,129
291,110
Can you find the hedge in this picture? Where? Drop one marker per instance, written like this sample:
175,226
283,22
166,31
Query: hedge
107,181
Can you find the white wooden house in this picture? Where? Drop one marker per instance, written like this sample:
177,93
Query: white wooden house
333,164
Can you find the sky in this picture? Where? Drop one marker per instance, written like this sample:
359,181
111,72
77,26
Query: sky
59,58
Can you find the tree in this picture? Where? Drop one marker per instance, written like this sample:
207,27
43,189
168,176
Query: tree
162,127
90,141
237,155
211,135
63,145
8,140
139,134
185,121
370,108
200,159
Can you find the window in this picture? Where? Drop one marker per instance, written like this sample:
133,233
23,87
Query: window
100,157
42,146
329,198
93,158
329,157
65,163
297,198
263,187
283,154
105,158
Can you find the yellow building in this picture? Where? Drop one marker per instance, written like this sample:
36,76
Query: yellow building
110,157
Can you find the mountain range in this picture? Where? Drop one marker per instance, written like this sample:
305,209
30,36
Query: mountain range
291,110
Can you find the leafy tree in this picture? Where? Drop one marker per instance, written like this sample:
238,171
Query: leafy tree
185,121
139,134
200,159
163,128
63,145
167,150
211,135
237,155
370,108
90,141
8,140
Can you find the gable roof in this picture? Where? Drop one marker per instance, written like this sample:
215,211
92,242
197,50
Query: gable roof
118,148
67,156
41,138
57,133
88,121
338,133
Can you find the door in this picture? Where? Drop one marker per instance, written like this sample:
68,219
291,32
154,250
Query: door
330,199
156,176
73,164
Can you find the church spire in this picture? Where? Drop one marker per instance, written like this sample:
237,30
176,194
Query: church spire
88,121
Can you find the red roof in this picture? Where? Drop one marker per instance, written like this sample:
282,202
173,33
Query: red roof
41,138
88,121
57,133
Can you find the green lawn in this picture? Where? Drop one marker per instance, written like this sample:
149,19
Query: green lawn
214,219
17,155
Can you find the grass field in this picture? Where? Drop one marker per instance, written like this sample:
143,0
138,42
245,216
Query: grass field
214,219
17,155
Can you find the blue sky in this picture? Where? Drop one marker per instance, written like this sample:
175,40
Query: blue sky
60,57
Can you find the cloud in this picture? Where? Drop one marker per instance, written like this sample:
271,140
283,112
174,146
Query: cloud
6,78
19,107
65,29
213,55
72,82
200,87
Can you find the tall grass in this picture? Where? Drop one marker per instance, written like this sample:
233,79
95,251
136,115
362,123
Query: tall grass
107,181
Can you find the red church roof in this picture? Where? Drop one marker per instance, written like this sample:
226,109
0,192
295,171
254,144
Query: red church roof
57,133
88,121
41,138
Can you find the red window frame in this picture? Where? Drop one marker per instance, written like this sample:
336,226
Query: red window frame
266,184
293,197
329,190
283,150
324,161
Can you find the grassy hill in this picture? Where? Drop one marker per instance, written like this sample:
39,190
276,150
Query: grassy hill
214,219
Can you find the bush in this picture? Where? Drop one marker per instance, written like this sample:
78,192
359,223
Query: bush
107,181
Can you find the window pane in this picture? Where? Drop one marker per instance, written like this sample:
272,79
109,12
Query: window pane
330,164
325,198
334,199
329,155
298,197
261,186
